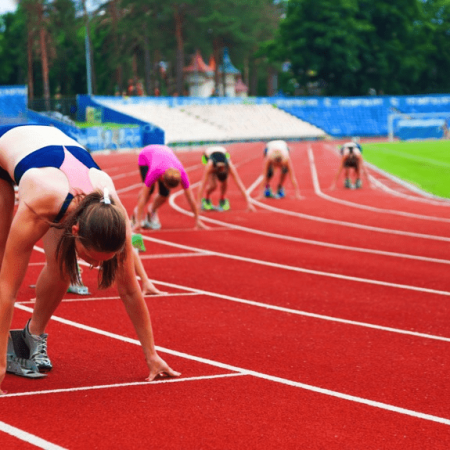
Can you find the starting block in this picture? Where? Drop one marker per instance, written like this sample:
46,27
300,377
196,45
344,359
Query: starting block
18,360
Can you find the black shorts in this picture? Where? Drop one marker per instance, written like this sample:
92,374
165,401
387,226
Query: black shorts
351,161
163,189
218,157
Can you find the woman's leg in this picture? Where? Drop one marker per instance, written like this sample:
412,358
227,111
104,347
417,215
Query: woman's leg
6,213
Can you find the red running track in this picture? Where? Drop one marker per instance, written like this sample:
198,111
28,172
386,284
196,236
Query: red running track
319,323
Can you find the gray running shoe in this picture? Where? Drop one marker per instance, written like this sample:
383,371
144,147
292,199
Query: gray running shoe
38,348
153,220
146,225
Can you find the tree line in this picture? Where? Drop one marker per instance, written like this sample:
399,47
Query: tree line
293,47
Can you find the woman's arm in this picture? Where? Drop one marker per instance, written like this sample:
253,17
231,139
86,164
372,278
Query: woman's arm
148,288
341,166
193,205
206,174
136,308
264,180
364,170
143,197
240,185
293,179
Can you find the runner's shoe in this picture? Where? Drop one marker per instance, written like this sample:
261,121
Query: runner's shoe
207,205
268,193
348,184
224,205
146,225
281,193
153,220
358,183
38,348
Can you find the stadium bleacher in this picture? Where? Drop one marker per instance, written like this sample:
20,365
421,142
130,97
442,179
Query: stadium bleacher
225,122
186,120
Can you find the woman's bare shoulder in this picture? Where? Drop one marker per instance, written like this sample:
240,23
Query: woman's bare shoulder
101,179
43,190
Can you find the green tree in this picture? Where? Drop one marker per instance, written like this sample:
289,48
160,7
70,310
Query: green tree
68,74
37,15
434,39
351,45
12,45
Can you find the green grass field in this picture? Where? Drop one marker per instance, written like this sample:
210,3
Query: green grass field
426,164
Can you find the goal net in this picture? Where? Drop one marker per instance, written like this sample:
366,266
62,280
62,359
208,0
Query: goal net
419,126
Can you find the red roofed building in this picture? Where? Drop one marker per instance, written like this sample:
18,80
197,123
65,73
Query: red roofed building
199,76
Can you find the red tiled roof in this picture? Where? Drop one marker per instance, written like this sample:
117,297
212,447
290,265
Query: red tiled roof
198,65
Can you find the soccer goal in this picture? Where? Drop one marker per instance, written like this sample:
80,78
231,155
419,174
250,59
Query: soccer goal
419,126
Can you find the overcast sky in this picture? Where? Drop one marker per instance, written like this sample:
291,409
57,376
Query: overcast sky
7,6
11,5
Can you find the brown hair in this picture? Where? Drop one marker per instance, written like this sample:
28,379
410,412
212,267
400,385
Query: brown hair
172,177
102,227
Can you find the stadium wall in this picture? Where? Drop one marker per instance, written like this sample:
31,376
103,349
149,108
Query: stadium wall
150,134
337,116
13,104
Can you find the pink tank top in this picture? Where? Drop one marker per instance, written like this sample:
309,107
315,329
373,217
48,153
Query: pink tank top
77,174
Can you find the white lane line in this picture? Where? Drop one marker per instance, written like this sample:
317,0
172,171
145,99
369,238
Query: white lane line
305,313
27,437
120,385
309,217
294,311
84,298
284,381
129,188
321,194
302,269
351,224
324,244
427,161
125,175
301,240
424,197
174,255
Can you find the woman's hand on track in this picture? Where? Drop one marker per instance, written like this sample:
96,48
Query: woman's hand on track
159,367
199,225
150,289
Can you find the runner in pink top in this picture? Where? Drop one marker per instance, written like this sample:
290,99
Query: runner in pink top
157,159
159,164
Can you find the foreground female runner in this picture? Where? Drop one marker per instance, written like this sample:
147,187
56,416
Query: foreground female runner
65,199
